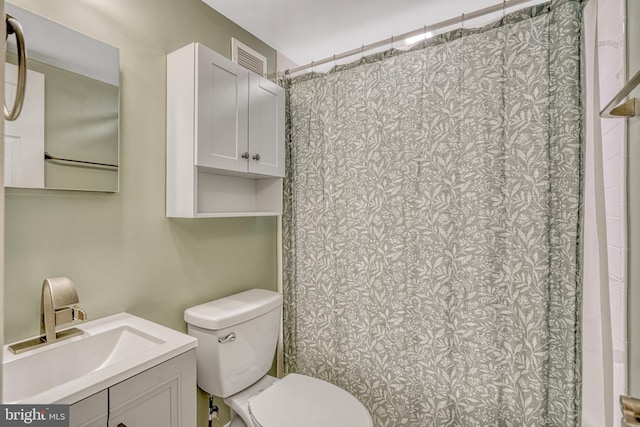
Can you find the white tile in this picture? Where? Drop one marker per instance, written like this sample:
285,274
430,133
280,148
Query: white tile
623,266
609,20
615,292
618,318
613,204
607,125
610,59
612,173
614,233
611,51
613,138
610,84
615,265
620,377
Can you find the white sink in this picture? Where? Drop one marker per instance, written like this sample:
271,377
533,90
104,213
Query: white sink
110,350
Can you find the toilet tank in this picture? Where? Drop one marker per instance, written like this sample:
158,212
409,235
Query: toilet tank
237,337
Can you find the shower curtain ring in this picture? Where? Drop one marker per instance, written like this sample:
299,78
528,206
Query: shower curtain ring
462,23
504,8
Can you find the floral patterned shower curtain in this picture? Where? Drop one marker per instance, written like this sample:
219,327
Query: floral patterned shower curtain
431,228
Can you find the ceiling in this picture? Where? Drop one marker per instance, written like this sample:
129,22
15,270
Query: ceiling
310,30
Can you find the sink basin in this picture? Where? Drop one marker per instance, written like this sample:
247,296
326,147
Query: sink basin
109,350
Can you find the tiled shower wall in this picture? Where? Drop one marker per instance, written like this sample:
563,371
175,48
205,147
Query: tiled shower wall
611,51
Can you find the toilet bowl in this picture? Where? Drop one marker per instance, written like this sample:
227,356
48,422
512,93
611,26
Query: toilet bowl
237,337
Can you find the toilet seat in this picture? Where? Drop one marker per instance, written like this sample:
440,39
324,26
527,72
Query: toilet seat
299,400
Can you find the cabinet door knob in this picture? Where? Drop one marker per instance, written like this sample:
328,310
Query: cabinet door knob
256,157
245,155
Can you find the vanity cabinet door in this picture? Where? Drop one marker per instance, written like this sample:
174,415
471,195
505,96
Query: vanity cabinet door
163,396
90,412
266,127
222,116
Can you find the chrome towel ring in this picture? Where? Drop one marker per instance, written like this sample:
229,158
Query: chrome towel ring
14,27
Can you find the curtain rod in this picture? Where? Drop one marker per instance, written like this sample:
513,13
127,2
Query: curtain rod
427,28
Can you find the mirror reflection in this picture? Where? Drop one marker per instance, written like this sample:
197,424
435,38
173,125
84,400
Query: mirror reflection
67,134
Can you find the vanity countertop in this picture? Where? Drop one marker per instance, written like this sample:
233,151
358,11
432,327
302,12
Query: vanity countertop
110,350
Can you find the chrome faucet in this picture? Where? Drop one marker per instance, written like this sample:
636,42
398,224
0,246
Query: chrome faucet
59,299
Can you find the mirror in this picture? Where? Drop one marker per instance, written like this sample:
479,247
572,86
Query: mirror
67,136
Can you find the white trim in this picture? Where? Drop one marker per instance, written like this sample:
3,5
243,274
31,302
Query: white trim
279,274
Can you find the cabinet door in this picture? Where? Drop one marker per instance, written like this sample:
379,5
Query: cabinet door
90,412
163,396
222,115
266,126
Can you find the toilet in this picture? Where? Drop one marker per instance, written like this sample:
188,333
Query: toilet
237,338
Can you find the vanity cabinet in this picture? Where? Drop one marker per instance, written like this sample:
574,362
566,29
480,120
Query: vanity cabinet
163,396
225,137
90,412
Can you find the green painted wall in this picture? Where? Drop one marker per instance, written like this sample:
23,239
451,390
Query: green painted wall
633,198
119,249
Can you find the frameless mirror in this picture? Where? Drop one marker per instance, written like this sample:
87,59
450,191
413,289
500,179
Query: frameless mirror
67,136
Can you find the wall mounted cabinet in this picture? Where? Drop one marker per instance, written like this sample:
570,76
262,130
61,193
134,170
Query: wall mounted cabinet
225,137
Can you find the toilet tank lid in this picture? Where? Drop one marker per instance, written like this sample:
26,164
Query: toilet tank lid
232,310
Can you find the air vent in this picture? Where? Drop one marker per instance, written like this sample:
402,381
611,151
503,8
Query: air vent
248,58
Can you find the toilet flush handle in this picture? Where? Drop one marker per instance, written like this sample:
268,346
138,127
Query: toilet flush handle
229,338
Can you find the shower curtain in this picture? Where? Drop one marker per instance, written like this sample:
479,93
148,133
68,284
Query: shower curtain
431,226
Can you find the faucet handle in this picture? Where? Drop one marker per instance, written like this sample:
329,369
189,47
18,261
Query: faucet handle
68,315
64,316
78,313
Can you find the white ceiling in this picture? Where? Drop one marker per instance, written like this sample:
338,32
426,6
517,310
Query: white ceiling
310,30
